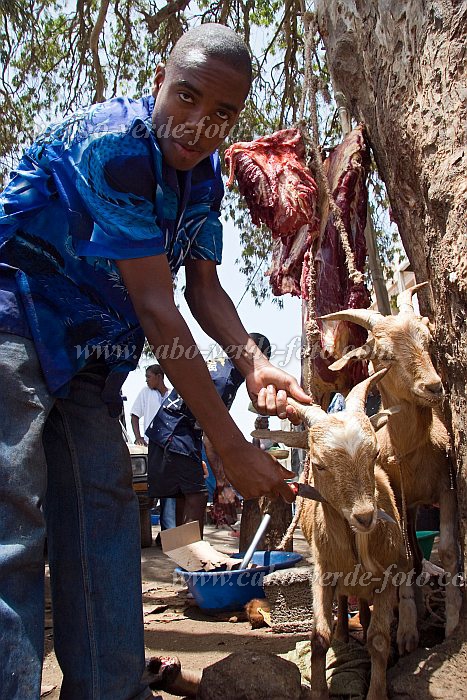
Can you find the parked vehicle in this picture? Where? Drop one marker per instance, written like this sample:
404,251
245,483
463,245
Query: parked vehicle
139,466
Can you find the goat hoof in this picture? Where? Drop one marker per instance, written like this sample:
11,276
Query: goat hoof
407,642
451,625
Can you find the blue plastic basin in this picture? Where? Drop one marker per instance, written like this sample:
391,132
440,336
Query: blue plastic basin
221,591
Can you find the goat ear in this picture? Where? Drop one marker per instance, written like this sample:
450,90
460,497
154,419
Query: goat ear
291,438
362,353
380,419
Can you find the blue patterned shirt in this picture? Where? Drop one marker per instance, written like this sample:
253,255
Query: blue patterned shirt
91,190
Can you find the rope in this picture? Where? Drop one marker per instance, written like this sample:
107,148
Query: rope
310,90
285,541
404,513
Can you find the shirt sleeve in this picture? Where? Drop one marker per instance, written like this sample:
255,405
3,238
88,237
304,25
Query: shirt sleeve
116,179
137,408
207,245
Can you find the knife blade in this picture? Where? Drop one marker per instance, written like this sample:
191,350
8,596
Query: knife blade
307,491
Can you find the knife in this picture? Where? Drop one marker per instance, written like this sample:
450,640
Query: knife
307,491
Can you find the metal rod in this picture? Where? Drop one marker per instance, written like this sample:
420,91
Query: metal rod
259,533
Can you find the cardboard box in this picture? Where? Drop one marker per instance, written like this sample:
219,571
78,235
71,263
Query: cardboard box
184,545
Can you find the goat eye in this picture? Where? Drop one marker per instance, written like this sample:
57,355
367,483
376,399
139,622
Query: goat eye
319,467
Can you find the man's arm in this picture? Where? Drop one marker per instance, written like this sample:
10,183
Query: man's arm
267,385
149,284
139,440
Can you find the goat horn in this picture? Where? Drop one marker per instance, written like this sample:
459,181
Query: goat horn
404,299
308,414
363,317
362,353
355,401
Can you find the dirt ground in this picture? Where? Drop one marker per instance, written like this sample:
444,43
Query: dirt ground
174,625
197,639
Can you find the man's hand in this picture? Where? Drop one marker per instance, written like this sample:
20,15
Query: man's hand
140,441
268,387
254,473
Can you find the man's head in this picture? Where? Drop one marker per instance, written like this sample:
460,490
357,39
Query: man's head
200,93
155,377
262,423
263,343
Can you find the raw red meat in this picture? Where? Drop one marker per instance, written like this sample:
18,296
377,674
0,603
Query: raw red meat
281,192
346,168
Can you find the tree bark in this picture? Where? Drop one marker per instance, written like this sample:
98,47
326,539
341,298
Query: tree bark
253,511
400,65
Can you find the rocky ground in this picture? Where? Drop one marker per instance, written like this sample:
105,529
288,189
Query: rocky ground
174,625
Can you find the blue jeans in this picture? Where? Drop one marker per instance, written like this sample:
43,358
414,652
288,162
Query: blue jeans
65,471
168,513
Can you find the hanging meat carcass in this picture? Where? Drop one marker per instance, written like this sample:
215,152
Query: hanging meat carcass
281,192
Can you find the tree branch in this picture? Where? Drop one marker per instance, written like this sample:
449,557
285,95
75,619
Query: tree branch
94,46
154,21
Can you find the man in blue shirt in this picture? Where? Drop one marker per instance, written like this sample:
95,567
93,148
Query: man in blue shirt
175,446
101,212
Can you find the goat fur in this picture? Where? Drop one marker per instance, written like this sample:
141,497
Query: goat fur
414,442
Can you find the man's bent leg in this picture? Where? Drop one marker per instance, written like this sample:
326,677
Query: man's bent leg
94,550
25,403
195,509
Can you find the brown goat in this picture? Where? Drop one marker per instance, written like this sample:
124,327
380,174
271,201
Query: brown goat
414,443
354,551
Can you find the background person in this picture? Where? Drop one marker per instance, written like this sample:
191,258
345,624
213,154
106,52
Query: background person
175,462
148,401
146,405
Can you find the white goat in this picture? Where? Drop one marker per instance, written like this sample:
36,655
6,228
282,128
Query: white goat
352,548
414,444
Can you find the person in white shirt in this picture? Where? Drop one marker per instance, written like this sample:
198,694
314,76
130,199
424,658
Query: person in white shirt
148,401
146,405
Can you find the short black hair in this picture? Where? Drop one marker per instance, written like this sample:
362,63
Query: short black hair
263,343
214,41
155,369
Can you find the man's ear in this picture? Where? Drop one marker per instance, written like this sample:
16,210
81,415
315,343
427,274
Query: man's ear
158,79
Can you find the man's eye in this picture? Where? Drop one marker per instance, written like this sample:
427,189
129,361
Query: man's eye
223,115
185,97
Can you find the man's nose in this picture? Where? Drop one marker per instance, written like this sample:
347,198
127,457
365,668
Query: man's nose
197,122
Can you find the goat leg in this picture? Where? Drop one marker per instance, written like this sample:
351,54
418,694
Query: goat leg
341,631
365,617
165,673
407,632
448,554
379,642
321,637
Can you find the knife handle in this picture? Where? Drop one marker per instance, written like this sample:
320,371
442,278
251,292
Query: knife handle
294,488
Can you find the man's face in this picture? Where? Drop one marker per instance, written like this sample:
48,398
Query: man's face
153,381
196,106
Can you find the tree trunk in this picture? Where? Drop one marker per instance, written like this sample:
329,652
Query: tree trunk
400,65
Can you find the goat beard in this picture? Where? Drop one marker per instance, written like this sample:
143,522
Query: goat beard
281,192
